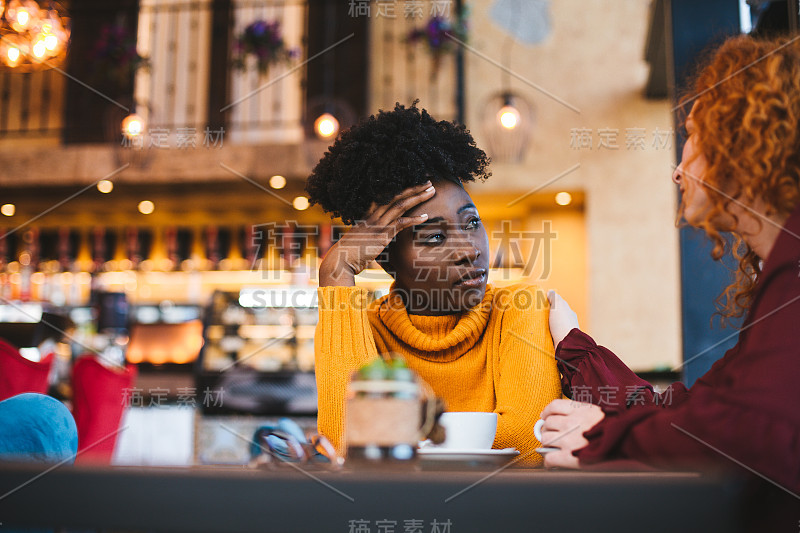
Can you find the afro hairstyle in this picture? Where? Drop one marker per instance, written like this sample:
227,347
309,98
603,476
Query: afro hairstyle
381,156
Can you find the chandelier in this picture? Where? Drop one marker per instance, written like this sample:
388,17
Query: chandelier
32,36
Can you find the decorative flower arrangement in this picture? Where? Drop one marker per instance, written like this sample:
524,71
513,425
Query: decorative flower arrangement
114,56
263,40
435,35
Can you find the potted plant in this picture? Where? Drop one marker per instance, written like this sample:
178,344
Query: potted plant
263,41
436,35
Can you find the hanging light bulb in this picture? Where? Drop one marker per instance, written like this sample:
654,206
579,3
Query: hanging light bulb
13,49
51,42
39,49
13,55
132,125
323,119
508,117
507,122
326,126
33,37
22,19
22,14
52,31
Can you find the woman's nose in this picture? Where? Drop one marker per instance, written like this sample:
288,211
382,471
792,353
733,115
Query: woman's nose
676,176
469,253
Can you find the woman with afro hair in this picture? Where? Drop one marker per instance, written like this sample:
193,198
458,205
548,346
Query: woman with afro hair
397,179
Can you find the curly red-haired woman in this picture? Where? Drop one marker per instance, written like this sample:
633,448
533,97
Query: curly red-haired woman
740,173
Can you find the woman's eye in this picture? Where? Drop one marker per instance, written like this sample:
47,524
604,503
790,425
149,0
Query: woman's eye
473,223
438,238
433,239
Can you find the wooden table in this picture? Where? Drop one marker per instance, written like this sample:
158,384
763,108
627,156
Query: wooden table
283,500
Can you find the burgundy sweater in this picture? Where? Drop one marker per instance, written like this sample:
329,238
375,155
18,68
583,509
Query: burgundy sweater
745,410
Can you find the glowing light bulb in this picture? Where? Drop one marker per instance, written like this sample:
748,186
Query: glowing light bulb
51,42
23,17
13,55
563,198
509,117
146,207
39,49
8,210
277,182
326,126
132,125
300,203
105,186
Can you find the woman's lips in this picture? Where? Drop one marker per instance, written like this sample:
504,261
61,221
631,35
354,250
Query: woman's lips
472,282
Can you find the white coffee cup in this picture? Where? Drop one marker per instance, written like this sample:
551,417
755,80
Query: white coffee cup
537,430
469,430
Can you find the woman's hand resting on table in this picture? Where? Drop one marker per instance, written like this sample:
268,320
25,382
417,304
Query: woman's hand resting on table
565,422
365,240
562,318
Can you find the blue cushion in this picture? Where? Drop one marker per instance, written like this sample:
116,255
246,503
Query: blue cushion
35,427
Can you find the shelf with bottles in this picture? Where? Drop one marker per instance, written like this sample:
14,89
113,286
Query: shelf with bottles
163,248
181,264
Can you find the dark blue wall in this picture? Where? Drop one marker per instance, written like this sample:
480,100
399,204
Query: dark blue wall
692,27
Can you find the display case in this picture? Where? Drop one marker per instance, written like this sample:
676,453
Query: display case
258,353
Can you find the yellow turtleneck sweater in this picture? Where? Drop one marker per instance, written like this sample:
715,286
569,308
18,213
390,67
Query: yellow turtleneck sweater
496,357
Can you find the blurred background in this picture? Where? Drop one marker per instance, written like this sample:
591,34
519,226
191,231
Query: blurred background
153,155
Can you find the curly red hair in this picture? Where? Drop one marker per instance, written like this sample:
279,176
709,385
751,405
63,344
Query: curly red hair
747,124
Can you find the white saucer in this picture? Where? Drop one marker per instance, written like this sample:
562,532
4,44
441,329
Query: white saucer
546,449
429,450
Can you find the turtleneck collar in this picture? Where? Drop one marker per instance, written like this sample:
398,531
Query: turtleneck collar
434,338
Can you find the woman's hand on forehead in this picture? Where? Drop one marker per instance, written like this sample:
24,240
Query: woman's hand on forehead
369,237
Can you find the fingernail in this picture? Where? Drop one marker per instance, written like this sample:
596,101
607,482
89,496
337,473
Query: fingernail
429,189
424,215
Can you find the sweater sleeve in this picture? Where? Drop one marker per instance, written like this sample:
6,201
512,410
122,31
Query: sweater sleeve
741,414
528,377
593,374
343,342
715,427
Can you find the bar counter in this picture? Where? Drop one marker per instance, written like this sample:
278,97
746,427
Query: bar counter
227,499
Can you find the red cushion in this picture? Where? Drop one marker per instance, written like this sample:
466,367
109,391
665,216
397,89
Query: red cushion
99,395
18,374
